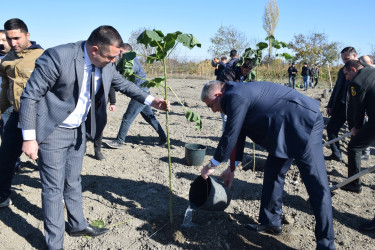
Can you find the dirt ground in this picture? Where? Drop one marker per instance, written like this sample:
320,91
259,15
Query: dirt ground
129,191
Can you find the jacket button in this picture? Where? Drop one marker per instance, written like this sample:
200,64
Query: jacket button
69,112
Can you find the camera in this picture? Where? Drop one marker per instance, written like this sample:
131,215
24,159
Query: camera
2,47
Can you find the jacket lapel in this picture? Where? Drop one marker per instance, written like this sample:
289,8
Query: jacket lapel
79,62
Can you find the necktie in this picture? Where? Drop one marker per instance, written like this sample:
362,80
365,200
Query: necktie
92,98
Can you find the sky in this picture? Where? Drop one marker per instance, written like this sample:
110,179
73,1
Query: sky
52,22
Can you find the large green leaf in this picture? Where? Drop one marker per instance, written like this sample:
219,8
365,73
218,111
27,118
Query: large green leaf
262,45
188,40
150,37
125,65
191,116
156,82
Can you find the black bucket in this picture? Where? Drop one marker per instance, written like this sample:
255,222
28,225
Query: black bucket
210,194
194,154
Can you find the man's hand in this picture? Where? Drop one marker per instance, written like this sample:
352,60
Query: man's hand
160,103
30,148
112,107
206,171
354,131
228,177
329,111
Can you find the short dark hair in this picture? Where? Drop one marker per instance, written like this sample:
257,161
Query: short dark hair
2,31
349,50
16,24
127,47
223,58
104,36
248,63
233,53
353,64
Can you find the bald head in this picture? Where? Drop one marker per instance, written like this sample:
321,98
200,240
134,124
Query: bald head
366,60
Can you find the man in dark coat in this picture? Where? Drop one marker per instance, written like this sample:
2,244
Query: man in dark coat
362,101
289,126
336,107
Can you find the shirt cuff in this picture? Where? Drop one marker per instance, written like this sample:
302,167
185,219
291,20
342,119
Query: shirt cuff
149,100
215,162
29,134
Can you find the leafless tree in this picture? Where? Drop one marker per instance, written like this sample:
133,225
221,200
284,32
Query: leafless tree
270,21
227,38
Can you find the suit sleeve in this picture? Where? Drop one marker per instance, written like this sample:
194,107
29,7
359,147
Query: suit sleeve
126,87
236,113
358,103
41,80
340,80
112,96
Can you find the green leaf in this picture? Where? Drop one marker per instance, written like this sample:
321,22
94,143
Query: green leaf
125,65
284,44
156,82
191,116
151,59
270,37
97,223
262,45
287,56
188,40
150,37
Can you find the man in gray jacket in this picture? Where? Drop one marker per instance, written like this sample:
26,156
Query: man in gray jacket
68,81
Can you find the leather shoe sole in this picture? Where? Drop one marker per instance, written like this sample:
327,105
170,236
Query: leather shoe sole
89,231
275,230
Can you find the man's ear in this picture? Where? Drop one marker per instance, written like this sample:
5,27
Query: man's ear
94,49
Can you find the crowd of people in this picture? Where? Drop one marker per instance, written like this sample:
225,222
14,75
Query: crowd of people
58,99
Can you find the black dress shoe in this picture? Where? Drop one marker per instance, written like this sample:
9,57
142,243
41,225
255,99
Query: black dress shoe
276,230
99,156
369,226
333,158
352,188
89,231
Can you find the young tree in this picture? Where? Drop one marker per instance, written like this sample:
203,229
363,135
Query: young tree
270,21
227,38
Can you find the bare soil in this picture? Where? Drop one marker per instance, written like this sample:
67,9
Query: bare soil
129,191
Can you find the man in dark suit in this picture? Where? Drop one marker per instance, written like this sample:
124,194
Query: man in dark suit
68,81
336,107
289,126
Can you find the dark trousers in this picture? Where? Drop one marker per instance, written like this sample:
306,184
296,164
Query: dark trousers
316,81
292,79
364,138
98,142
336,121
134,108
4,119
313,172
60,164
10,150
